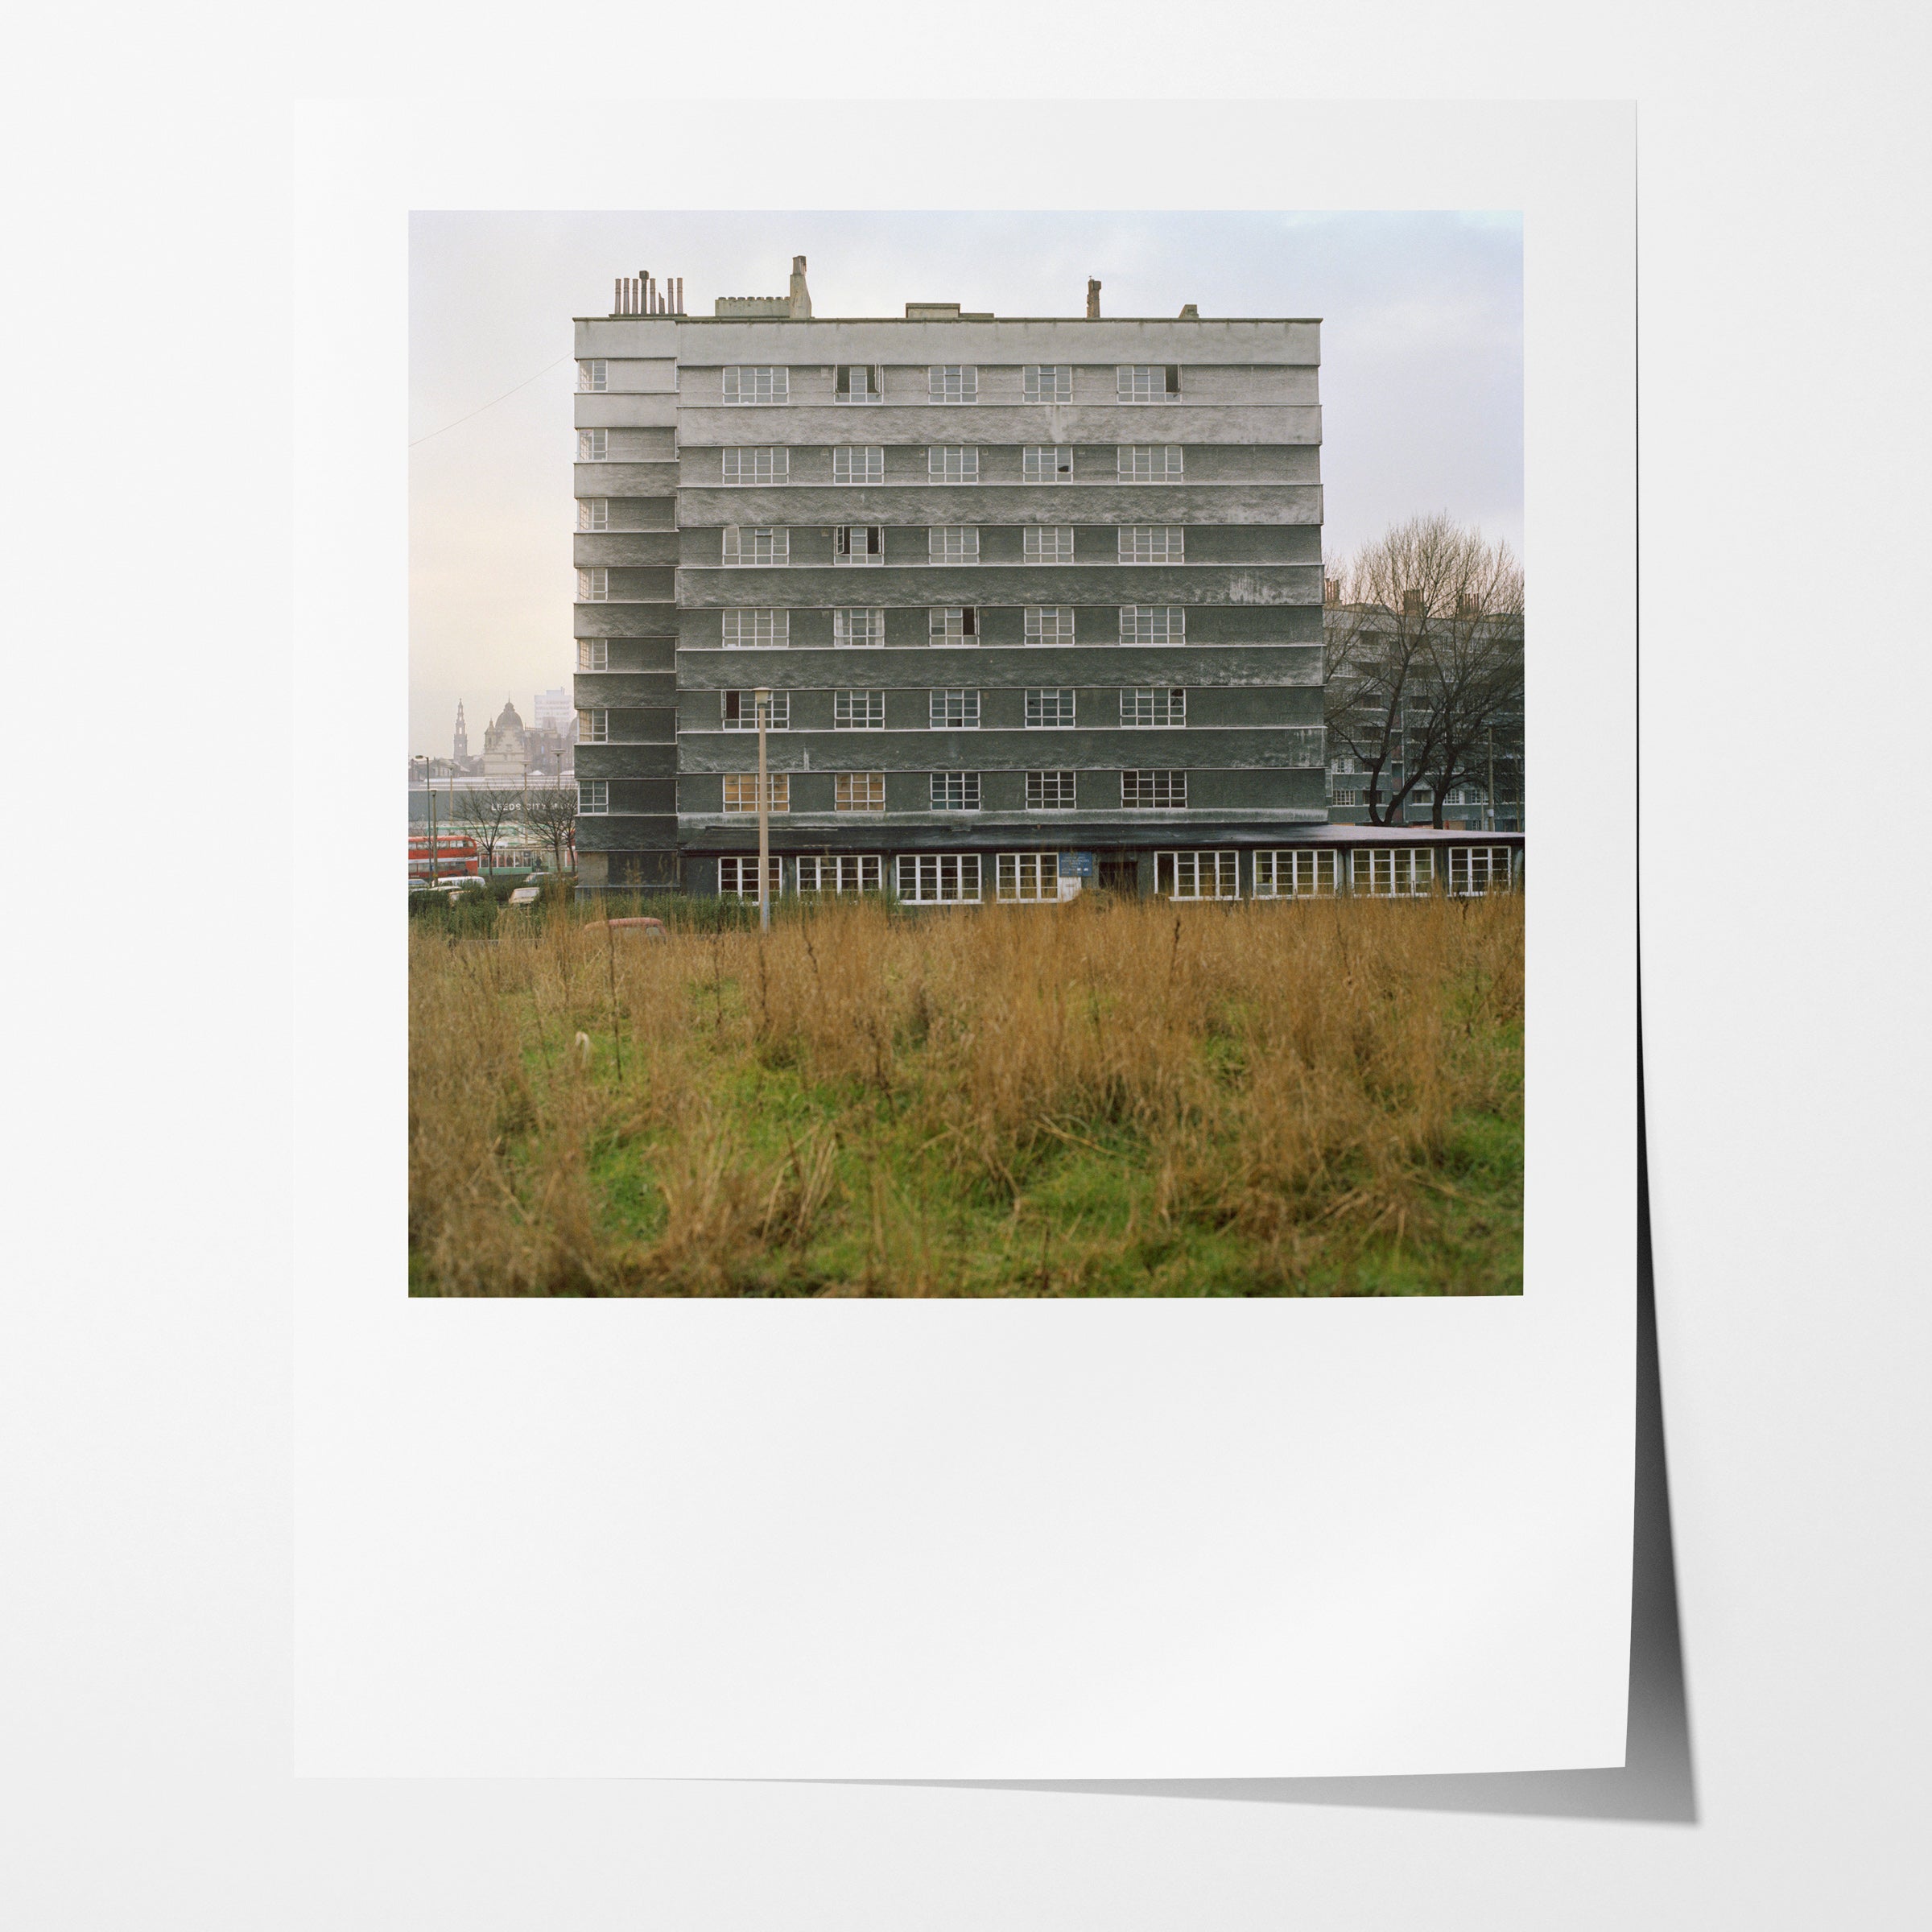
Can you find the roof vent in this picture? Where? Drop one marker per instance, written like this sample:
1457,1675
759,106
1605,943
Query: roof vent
1190,313
932,312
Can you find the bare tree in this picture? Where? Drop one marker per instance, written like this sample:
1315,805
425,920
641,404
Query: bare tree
1423,659
489,813
550,812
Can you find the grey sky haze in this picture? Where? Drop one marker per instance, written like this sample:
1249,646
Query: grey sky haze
1421,382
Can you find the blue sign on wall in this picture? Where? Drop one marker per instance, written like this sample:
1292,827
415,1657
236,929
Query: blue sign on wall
1076,865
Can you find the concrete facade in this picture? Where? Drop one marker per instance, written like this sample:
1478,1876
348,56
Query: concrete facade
707,523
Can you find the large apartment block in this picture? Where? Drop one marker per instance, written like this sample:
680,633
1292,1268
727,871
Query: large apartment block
1036,598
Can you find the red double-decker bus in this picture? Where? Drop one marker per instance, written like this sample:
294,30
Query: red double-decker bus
457,855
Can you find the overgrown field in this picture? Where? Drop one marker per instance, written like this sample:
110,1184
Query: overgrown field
1111,1097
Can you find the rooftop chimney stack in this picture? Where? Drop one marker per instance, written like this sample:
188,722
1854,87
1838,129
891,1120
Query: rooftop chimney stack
1093,300
801,297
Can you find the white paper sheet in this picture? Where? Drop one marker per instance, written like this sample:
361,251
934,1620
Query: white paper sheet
1020,1539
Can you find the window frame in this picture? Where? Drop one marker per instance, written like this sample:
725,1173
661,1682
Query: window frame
1030,543
1169,867
874,708
937,376
865,870
779,461
848,451
593,653
940,634
842,616
1066,697
968,786
1462,869
1163,543
1159,778
593,798
594,584
875,376
745,876
778,375
917,867
778,536
941,698
593,724
968,556
1157,696
1013,872
946,450
1310,872
1173,455
780,709
845,790
593,513
1405,880
778,787
842,555
780,627
593,446
1170,614
1065,787
593,375
1031,382
1033,626
1029,454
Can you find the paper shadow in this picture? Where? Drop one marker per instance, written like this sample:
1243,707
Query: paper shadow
1656,1782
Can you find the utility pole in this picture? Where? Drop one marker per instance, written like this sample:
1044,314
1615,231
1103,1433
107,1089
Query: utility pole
429,785
1489,791
762,699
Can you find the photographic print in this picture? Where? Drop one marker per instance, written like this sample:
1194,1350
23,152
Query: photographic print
1020,794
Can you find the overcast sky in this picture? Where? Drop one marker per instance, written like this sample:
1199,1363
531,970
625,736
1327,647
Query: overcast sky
1422,373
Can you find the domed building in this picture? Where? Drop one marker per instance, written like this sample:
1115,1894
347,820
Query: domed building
506,747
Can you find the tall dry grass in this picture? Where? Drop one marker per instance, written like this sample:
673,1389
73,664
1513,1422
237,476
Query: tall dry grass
828,1108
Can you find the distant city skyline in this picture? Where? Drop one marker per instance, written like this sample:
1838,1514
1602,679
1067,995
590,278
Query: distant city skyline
1421,377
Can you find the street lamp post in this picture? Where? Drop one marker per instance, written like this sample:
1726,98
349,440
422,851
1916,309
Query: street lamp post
762,699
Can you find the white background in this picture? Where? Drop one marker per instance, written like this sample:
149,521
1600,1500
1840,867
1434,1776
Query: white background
1012,1539
143,1387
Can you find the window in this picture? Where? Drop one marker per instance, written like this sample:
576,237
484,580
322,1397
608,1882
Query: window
1150,463
593,653
1152,543
593,586
757,630
1027,877
953,710
1475,870
594,726
952,545
859,791
593,512
858,543
956,791
745,385
1197,875
769,464
1347,801
858,463
952,382
593,446
1047,543
840,872
1048,382
1154,791
860,382
1423,794
1392,871
955,624
740,710
1047,463
1050,791
858,711
593,376
1153,624
738,878
1148,382
1049,624
939,878
858,629
741,790
748,547
1154,710
1050,710
593,797
1343,764
952,464
1301,874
